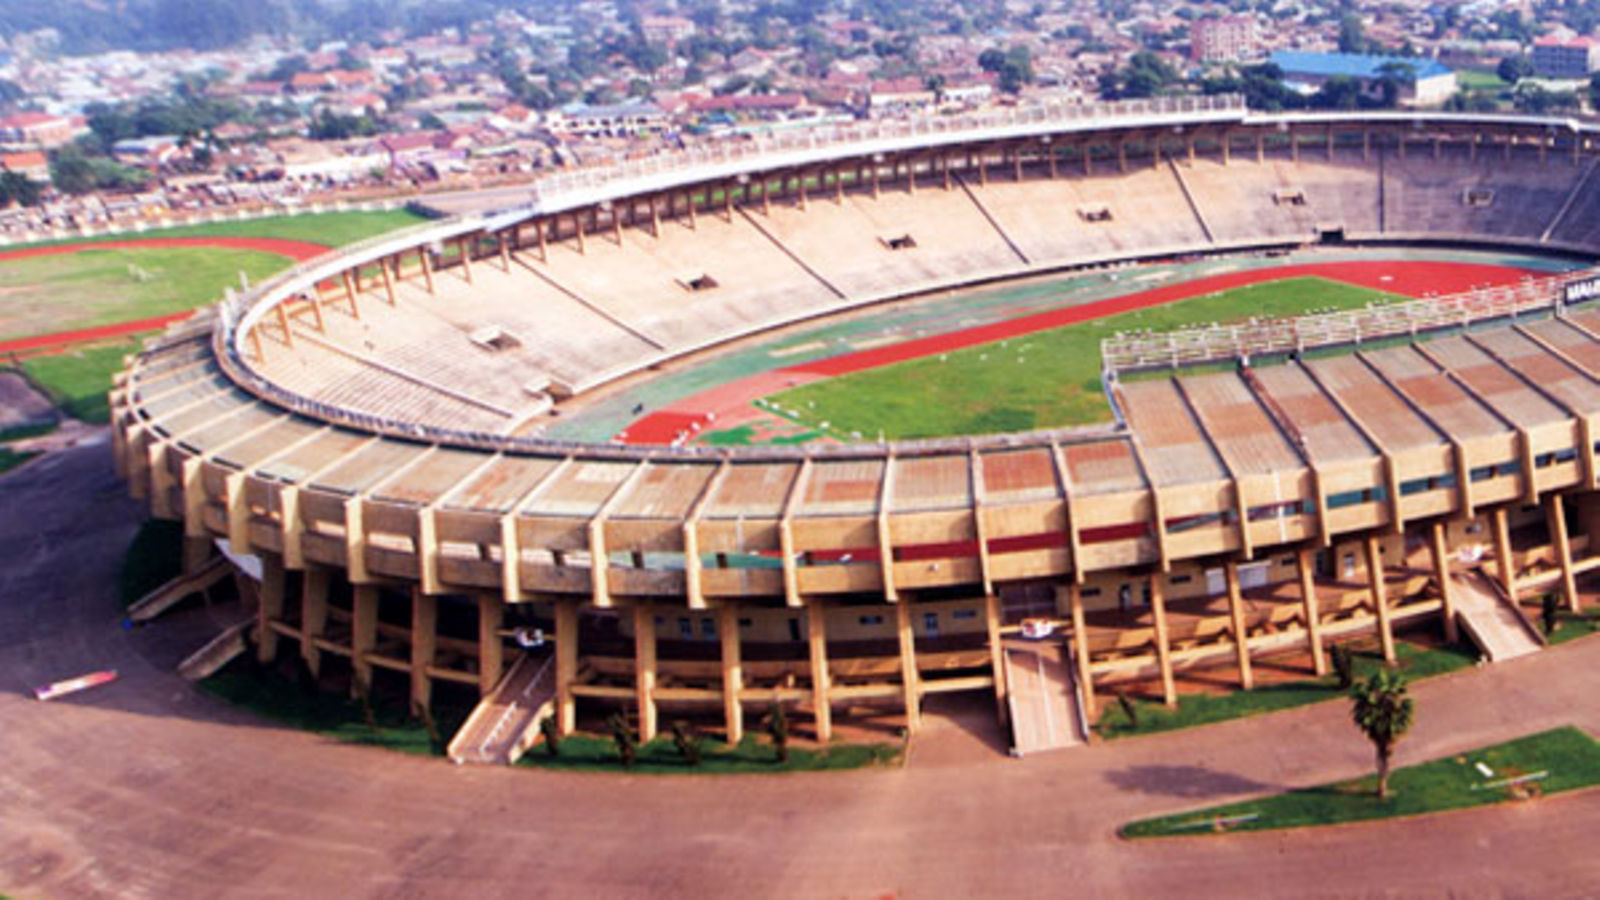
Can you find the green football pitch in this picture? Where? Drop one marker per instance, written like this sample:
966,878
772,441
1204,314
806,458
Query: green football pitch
1048,379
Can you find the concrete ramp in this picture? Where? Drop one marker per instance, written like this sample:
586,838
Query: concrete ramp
217,652
506,722
168,595
1042,697
1498,628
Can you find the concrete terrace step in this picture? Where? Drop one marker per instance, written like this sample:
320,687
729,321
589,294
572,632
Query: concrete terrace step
505,723
1494,626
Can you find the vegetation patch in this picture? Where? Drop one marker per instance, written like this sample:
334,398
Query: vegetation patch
332,228
1043,380
1549,762
10,459
1151,717
663,756
272,695
77,381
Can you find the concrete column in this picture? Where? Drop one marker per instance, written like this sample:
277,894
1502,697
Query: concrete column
566,664
1158,612
1505,557
1080,647
388,287
732,671
363,631
271,608
1556,520
1241,637
465,249
644,667
1380,599
313,614
424,643
1311,610
1441,573
817,639
908,665
491,649
427,268
1122,156
997,667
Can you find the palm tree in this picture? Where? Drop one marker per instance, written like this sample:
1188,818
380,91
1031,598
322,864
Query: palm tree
1384,713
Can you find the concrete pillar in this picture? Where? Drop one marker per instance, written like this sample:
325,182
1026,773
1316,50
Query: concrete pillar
424,643
465,249
566,664
577,230
997,666
1441,573
1158,612
817,640
1556,521
1505,556
271,609
1080,648
644,667
491,649
1261,148
540,229
908,665
363,632
1311,610
1380,599
196,548
1294,146
732,671
313,614
1050,155
427,268
1241,636
1122,156
388,287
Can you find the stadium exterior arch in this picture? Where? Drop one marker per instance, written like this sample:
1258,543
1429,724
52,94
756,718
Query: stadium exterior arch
366,424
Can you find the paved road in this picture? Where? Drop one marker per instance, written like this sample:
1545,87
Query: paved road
146,788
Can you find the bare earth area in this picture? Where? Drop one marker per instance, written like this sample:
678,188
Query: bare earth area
146,788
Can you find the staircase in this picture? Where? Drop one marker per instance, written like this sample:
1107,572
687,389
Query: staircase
1042,696
506,722
1497,627
168,595
218,652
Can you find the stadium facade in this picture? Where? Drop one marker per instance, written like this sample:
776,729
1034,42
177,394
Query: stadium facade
365,425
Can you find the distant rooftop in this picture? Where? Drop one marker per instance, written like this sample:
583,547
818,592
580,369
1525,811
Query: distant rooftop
1352,65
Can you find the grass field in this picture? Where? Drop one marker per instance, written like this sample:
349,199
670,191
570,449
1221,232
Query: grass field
1569,759
44,294
1415,660
333,228
77,380
1475,80
750,756
1043,380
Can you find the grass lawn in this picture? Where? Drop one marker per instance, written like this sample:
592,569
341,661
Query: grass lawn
1416,661
77,381
273,696
661,757
1475,80
1572,625
44,294
1569,758
332,228
1043,380
745,436
10,459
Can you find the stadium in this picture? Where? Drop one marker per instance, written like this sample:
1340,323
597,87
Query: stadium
387,444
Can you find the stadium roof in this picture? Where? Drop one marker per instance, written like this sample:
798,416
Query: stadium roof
1351,65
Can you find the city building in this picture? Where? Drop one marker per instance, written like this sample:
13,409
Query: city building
1555,58
1228,39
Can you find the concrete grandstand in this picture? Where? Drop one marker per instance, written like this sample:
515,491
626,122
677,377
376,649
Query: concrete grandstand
367,426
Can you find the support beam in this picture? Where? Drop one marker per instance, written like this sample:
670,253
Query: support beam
732,671
1556,521
1311,610
1080,646
271,609
644,667
1241,636
1380,597
1158,612
1505,556
997,667
424,644
821,695
566,664
1441,573
910,687
363,635
491,649
313,614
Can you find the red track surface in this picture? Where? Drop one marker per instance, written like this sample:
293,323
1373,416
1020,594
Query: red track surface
295,250
1408,278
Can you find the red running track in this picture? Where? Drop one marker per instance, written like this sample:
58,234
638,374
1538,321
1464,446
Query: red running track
298,251
1405,277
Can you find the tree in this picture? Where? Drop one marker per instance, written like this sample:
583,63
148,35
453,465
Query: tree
1513,69
18,189
1352,34
778,730
551,735
622,736
687,742
1383,712
1145,76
